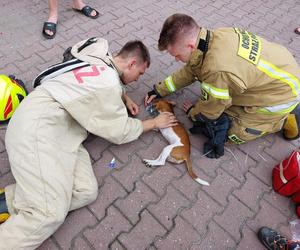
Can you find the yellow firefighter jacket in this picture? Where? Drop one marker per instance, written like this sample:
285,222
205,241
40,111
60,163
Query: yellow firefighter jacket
238,69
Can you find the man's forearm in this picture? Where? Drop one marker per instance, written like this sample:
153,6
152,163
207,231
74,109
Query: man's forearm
125,97
148,125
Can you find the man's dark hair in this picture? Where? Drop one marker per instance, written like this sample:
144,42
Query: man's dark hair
135,48
173,27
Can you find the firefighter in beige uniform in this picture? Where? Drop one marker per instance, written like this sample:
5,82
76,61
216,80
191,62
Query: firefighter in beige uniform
44,138
253,81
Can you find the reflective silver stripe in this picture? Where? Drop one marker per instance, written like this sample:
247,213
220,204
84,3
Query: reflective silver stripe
281,174
215,92
58,69
276,73
63,70
282,107
284,76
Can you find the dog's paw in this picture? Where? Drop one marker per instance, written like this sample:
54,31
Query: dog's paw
148,165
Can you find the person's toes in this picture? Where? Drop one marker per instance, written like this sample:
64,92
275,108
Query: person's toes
93,13
49,32
51,20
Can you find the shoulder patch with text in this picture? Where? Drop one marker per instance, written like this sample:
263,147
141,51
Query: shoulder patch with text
249,46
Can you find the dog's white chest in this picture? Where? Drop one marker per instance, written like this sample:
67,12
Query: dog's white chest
171,136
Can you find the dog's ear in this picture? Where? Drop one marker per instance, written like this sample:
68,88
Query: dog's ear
173,103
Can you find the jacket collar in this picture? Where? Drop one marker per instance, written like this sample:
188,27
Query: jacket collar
202,45
120,73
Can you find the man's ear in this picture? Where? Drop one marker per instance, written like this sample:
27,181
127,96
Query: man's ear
132,62
191,46
173,103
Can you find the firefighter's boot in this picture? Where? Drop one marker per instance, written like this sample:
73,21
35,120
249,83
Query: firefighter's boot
3,207
291,125
273,240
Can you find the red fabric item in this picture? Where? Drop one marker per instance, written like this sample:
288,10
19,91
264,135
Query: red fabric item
296,197
298,210
286,175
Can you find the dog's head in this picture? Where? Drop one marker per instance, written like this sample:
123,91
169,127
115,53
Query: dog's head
160,105
164,105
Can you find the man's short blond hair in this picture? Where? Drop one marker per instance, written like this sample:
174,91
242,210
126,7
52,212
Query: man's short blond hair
175,26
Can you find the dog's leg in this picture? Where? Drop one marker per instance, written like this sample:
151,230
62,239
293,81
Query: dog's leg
161,160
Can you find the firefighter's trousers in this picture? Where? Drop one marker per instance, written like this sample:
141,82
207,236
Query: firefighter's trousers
52,170
248,124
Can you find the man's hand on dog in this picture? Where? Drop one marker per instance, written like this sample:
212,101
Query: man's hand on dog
164,120
187,105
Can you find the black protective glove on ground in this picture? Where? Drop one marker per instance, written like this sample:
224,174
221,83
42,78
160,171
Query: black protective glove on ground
216,131
213,151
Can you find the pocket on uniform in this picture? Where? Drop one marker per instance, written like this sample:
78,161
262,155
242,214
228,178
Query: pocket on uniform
253,131
240,134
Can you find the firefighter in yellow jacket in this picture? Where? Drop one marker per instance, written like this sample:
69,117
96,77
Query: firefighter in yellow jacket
44,137
249,86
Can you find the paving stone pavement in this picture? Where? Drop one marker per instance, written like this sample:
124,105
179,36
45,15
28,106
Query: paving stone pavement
162,208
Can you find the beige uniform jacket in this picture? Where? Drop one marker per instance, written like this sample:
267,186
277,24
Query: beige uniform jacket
92,95
239,69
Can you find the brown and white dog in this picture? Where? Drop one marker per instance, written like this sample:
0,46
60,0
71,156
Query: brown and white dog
178,149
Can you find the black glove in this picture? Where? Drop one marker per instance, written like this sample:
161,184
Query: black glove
67,56
154,92
198,128
213,150
200,125
217,132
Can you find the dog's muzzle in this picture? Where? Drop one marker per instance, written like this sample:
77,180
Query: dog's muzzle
152,110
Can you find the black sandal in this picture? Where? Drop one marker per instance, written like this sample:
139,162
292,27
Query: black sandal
51,27
297,31
87,11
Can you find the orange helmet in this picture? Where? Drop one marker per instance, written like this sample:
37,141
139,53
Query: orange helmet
12,92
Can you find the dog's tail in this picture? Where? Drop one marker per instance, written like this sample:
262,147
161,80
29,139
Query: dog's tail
193,175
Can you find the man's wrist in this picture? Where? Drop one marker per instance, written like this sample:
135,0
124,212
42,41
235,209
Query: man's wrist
154,123
124,97
152,92
149,124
